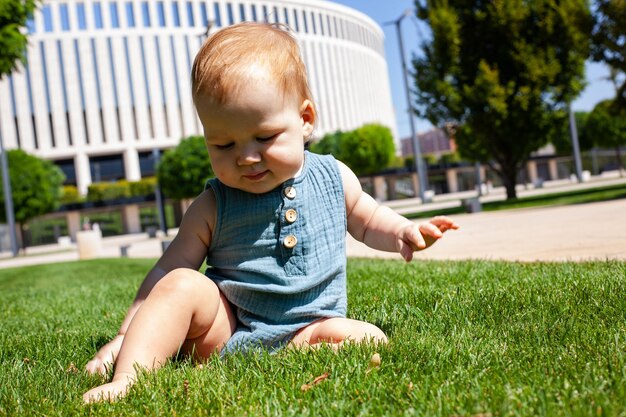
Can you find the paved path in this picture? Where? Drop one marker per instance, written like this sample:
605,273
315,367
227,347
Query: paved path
576,232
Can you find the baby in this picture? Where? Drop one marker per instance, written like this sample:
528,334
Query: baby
271,225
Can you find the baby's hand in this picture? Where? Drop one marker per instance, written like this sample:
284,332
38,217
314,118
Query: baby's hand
105,358
419,236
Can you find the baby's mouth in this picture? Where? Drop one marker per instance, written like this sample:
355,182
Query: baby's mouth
256,176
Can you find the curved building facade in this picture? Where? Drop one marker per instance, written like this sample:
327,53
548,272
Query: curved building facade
107,81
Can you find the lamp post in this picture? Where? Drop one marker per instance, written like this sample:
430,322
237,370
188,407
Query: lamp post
419,165
575,145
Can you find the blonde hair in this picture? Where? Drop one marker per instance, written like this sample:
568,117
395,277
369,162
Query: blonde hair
229,57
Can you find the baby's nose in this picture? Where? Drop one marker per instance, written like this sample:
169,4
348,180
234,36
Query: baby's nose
249,155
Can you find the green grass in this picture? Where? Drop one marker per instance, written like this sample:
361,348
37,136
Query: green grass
592,195
466,338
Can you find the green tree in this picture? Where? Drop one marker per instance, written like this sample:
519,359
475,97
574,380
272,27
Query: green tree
367,149
607,125
562,141
502,72
183,171
36,186
609,42
329,144
13,40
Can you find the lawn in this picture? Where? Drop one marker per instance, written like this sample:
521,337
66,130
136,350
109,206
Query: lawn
587,195
466,338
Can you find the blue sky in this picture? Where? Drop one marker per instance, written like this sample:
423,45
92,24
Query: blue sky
382,11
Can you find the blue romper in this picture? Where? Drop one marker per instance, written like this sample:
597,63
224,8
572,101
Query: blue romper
279,257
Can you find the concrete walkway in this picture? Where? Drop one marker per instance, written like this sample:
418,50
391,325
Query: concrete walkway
576,233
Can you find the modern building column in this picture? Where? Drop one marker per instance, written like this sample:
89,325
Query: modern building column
83,173
73,223
452,179
131,164
130,218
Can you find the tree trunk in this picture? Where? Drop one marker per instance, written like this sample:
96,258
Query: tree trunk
509,180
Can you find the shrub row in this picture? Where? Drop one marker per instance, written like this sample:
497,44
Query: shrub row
102,191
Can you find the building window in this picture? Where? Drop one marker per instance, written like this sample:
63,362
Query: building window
107,168
145,12
68,168
229,11
218,15
161,13
190,20
14,108
65,18
242,12
81,88
296,22
286,13
115,19
97,15
205,15
313,25
144,66
146,164
30,24
80,14
175,14
46,83
98,84
254,16
132,88
64,89
46,11
130,14
162,84
115,95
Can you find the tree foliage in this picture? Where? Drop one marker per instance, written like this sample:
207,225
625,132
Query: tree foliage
13,40
501,72
184,170
365,150
607,125
36,186
562,141
609,42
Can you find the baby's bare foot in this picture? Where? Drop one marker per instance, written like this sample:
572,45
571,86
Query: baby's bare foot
112,391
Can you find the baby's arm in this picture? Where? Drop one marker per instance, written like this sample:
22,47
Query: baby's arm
187,250
381,228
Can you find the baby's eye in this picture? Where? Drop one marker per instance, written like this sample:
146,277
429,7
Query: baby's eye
225,146
266,139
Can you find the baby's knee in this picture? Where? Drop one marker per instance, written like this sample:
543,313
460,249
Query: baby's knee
369,332
185,281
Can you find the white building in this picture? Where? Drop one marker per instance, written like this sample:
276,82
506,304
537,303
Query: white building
107,81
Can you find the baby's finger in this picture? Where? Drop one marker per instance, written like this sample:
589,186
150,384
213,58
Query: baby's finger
444,223
430,229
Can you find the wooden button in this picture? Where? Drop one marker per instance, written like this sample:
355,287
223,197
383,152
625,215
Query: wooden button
291,215
290,241
290,192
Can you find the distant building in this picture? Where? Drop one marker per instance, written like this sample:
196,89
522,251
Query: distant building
108,81
433,142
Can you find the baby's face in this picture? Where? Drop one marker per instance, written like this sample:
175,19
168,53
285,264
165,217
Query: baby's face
256,139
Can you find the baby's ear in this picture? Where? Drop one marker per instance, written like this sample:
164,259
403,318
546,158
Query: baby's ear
307,115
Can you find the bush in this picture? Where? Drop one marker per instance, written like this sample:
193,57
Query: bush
70,195
101,191
143,187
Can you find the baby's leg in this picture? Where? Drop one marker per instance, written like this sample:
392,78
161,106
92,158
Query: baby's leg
184,310
337,331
